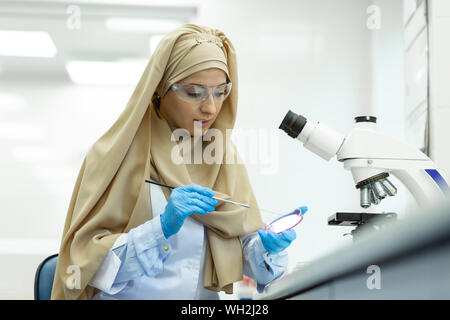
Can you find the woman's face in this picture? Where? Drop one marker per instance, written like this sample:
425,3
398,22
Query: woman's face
182,114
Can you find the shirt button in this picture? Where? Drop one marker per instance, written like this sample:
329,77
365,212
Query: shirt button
166,248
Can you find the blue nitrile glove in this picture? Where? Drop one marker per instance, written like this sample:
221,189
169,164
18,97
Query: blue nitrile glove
184,201
274,242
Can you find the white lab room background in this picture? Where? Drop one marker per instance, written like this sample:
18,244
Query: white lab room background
68,68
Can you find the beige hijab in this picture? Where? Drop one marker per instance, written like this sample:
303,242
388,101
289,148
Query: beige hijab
111,196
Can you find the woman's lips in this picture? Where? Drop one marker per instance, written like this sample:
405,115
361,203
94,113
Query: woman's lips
204,123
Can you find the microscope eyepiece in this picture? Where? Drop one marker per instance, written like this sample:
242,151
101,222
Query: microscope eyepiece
315,136
293,124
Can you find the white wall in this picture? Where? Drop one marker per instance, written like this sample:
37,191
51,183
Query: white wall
388,91
313,57
439,23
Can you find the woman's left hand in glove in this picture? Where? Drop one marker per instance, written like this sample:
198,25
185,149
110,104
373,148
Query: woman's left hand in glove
275,243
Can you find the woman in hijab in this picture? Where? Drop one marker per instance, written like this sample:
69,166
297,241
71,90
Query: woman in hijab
126,239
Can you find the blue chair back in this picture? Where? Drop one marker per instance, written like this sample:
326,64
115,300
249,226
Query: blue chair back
43,280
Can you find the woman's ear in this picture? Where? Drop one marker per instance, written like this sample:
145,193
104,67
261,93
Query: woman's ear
156,98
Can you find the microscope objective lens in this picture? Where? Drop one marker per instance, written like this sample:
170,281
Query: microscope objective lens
365,198
373,197
379,190
390,189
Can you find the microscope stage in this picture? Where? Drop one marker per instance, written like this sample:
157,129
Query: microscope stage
356,218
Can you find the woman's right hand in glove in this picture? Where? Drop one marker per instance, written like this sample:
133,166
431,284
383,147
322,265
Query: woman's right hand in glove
183,202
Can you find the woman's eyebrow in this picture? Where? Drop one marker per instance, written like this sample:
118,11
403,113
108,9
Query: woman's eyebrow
199,84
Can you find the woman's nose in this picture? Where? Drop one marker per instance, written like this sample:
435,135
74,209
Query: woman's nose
209,105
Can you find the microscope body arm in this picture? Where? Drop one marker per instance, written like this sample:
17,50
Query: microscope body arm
367,152
416,176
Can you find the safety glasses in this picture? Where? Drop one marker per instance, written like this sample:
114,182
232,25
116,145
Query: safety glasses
287,221
195,93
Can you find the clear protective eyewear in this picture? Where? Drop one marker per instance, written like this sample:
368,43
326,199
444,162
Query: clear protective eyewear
287,221
195,93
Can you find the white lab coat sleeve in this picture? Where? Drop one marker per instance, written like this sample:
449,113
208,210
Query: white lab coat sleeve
106,273
255,255
141,251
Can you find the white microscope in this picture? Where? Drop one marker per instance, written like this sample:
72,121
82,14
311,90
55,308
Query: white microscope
371,157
